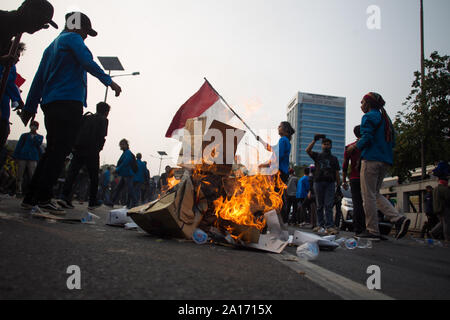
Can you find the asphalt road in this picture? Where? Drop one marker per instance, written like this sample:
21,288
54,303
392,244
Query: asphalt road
121,264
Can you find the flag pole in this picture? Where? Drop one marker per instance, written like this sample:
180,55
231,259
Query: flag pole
231,109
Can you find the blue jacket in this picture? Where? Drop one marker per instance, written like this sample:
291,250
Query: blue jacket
106,178
123,168
303,187
28,147
373,144
62,74
139,176
12,93
283,151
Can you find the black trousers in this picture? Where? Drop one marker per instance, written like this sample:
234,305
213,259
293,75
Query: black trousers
359,218
91,162
292,202
62,122
284,211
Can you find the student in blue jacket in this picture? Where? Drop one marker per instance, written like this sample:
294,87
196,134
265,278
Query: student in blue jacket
126,174
60,87
27,154
282,150
11,97
302,194
139,178
376,146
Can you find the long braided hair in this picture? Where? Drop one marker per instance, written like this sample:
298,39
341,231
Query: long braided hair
376,101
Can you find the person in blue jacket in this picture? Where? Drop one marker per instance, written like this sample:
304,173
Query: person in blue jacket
27,154
126,174
282,150
11,97
302,194
139,178
376,146
60,87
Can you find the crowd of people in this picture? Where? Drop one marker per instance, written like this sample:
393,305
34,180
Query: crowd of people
59,87
311,198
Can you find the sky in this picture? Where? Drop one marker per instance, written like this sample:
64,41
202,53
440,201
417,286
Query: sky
256,53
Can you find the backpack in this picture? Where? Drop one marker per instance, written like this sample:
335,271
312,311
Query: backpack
87,133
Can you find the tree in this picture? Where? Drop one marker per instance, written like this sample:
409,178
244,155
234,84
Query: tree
430,124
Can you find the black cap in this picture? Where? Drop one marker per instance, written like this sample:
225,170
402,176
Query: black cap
78,21
40,9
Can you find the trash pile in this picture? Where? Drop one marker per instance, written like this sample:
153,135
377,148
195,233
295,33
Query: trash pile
213,200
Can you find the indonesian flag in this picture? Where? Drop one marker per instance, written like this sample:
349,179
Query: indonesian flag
206,103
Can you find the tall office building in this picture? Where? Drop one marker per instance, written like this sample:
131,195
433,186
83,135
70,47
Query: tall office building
311,114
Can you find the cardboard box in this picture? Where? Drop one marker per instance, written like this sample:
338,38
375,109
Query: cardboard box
173,215
218,147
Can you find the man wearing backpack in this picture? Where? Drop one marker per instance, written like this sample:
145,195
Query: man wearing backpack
89,143
126,169
326,178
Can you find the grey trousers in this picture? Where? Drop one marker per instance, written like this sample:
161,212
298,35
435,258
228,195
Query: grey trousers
372,175
22,166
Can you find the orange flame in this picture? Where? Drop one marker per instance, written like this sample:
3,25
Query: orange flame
172,182
252,194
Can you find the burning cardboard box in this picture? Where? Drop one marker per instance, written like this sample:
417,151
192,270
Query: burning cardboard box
172,215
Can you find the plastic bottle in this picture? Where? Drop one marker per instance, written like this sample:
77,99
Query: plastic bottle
433,243
364,244
88,218
199,236
341,242
308,251
351,243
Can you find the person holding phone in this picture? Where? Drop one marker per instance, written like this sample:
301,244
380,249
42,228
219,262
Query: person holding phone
326,179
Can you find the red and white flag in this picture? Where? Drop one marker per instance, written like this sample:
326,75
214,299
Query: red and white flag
205,103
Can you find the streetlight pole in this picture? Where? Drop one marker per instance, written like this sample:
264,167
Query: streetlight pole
119,75
107,87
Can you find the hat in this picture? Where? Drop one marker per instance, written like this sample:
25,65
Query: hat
41,9
442,170
376,99
78,21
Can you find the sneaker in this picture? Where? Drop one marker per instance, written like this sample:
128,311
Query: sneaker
26,205
368,236
51,207
402,226
316,229
66,204
95,205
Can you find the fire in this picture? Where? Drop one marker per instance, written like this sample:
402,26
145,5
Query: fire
251,195
172,182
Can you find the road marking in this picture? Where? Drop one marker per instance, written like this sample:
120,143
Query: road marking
343,287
